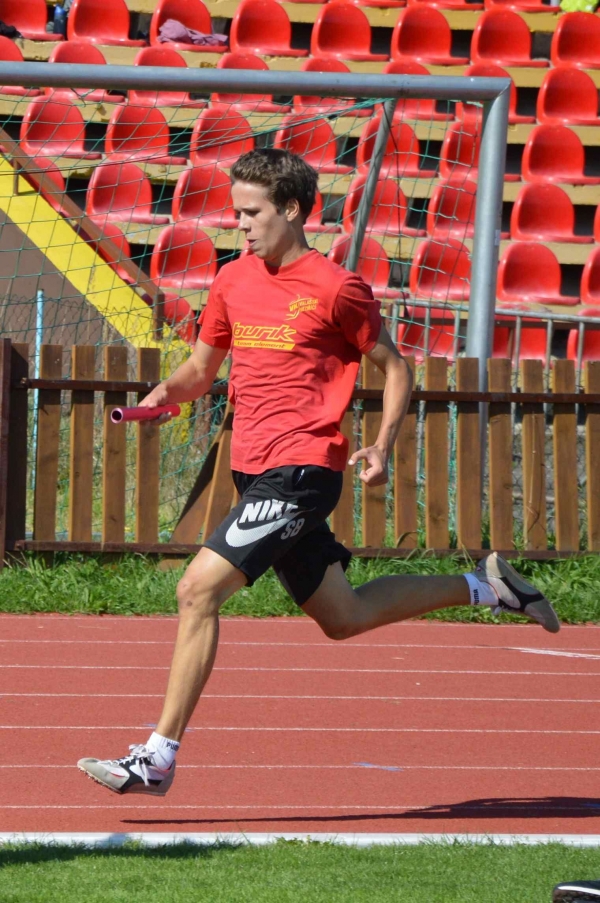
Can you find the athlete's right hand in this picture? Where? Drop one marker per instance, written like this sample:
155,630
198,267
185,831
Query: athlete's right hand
158,396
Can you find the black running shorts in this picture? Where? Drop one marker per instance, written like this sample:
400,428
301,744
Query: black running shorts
280,522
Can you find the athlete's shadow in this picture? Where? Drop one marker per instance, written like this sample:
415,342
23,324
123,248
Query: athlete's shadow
499,808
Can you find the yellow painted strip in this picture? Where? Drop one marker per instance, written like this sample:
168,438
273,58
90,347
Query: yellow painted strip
80,264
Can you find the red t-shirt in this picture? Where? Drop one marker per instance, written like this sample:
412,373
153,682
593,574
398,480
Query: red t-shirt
296,333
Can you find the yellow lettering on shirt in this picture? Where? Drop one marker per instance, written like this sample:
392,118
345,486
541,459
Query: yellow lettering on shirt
300,305
279,338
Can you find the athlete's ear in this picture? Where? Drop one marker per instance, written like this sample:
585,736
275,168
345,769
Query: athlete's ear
292,210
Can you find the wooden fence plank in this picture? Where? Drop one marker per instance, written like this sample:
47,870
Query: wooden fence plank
500,435
436,457
373,497
18,449
592,456
5,355
191,520
221,487
148,456
534,463
82,447
48,443
566,488
405,477
468,458
114,452
342,518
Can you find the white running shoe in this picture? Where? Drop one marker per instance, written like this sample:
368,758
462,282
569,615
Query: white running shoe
135,773
515,595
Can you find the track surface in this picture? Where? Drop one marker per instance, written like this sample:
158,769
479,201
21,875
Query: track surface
420,727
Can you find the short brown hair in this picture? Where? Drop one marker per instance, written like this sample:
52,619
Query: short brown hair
286,177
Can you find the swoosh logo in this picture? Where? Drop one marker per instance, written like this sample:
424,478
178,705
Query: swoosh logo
236,537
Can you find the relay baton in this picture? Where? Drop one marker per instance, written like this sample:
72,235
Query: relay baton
122,415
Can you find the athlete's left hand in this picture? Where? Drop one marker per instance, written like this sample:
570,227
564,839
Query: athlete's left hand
375,471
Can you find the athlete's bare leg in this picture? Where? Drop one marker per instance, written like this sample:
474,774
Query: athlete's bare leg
207,583
343,612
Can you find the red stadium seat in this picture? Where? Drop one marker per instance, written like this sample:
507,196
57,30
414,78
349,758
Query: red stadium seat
590,280
86,54
441,271
29,17
373,264
10,53
315,223
591,339
544,213
502,37
50,176
533,343
100,22
219,137
530,272
122,193
554,153
256,103
408,107
203,193
324,106
467,111
342,31
181,318
263,27
576,41
162,55
451,211
191,13
568,95
55,129
388,212
448,4
519,6
313,139
459,156
422,34
139,134
402,154
184,257
437,340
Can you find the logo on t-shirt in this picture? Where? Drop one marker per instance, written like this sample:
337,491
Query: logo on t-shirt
279,338
301,305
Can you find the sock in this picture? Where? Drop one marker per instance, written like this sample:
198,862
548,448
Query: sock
163,750
481,593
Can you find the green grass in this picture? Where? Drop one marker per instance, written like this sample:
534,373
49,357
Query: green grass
292,871
135,585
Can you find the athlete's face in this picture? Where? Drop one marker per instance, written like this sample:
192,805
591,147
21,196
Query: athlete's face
270,232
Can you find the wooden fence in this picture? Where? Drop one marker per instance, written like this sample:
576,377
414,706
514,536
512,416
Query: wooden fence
419,509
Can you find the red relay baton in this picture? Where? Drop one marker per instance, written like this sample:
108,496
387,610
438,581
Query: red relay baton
123,415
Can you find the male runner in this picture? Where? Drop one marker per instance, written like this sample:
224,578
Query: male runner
297,325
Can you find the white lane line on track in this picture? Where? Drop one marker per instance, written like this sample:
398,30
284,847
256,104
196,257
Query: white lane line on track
511,699
364,767
563,654
322,730
459,671
160,806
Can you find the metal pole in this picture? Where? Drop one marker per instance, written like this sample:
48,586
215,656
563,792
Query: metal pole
39,336
366,201
492,160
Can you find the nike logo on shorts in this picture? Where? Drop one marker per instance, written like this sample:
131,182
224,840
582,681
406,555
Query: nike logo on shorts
236,537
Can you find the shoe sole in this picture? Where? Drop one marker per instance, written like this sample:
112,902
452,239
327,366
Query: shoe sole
497,566
102,783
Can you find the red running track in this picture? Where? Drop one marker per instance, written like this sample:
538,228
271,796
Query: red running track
415,728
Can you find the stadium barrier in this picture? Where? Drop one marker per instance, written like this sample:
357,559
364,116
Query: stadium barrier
68,437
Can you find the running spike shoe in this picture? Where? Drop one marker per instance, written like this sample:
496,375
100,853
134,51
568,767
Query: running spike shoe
135,773
515,595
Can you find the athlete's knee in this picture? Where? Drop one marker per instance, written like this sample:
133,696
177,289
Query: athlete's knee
338,630
206,585
194,594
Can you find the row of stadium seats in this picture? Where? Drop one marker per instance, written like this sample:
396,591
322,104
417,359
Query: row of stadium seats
341,30
51,127
121,192
567,94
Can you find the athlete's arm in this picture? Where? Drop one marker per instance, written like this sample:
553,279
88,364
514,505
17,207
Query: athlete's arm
396,398
192,379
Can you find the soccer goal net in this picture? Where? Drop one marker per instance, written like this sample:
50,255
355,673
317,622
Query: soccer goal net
117,210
